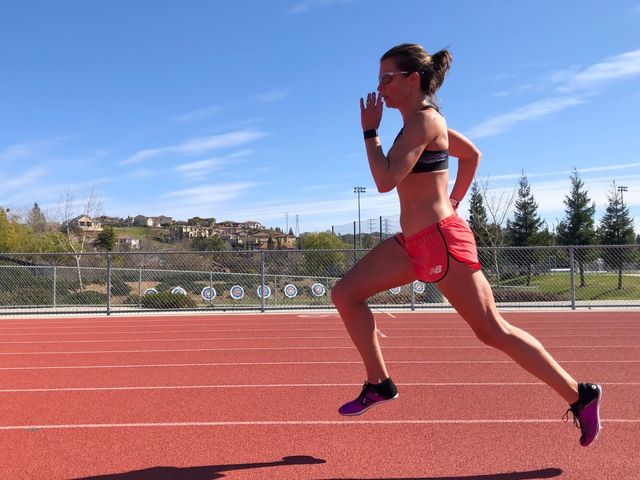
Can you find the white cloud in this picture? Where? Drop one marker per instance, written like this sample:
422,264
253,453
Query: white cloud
22,151
200,114
620,67
305,6
270,97
199,170
580,82
26,179
209,194
535,110
198,146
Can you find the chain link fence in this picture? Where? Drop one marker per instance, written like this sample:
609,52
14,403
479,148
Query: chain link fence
568,277
368,233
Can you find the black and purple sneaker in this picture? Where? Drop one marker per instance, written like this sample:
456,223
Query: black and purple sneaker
371,395
586,412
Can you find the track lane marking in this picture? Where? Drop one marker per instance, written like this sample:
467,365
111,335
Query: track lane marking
301,422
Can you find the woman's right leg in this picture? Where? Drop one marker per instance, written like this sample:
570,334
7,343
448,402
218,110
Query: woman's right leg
384,267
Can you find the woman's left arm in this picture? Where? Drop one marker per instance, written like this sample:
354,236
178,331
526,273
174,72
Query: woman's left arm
469,158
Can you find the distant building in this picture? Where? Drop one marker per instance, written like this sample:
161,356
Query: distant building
129,243
84,223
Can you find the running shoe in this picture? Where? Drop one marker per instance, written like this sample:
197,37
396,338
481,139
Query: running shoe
586,412
371,395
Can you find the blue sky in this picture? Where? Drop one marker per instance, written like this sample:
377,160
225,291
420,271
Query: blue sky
248,110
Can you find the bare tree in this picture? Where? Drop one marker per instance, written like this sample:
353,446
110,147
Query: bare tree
497,204
69,237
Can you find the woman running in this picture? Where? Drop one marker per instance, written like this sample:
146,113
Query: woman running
436,245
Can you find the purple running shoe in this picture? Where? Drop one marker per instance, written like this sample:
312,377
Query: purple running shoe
586,412
371,395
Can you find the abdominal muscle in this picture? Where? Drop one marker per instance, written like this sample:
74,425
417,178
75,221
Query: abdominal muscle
423,200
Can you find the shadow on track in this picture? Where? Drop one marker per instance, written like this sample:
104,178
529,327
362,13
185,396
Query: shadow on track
529,475
209,472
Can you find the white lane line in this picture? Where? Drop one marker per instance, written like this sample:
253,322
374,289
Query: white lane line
313,337
256,364
33,428
288,385
348,347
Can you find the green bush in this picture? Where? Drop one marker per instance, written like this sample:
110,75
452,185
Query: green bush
168,300
87,297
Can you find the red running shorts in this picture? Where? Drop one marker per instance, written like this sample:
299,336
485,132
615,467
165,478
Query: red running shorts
431,248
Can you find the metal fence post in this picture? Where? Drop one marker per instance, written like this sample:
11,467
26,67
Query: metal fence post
572,273
140,289
262,297
354,235
55,286
413,298
108,283
381,236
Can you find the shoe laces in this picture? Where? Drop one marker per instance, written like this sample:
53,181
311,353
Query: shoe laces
576,417
362,398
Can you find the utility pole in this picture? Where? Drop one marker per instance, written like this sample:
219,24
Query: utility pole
621,189
359,190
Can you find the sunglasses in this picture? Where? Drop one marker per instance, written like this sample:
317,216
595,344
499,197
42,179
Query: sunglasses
386,77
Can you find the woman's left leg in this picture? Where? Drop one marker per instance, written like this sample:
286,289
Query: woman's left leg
470,294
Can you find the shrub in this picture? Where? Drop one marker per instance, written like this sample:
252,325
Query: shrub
168,300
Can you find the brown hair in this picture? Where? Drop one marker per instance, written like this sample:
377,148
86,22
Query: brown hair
411,57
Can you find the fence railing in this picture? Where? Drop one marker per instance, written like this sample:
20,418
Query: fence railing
568,277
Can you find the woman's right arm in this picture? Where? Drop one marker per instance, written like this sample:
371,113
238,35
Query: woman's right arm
469,158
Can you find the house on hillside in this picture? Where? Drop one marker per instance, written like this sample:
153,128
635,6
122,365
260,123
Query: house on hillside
84,223
128,243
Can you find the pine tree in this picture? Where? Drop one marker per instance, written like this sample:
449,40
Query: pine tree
36,219
106,239
525,229
616,228
578,226
479,223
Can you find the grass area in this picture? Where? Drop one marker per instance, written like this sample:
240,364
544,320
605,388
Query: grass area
133,232
599,286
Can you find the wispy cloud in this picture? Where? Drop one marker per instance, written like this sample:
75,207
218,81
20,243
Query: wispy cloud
620,67
569,87
195,171
22,151
305,6
209,194
198,146
270,97
507,121
26,179
200,114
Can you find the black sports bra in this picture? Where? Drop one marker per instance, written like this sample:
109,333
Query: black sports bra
430,160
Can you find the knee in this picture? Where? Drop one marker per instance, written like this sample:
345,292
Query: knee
342,296
495,334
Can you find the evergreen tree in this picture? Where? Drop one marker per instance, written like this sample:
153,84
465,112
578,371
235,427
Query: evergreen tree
36,219
479,223
578,226
106,239
525,228
616,228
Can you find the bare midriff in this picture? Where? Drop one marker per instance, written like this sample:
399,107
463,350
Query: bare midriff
424,200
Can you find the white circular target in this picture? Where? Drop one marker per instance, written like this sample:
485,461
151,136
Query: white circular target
418,286
264,292
208,293
150,291
290,290
236,292
318,290
178,291
395,290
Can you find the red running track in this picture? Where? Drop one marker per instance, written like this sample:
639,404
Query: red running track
255,396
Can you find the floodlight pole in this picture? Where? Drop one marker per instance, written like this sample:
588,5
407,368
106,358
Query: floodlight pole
359,190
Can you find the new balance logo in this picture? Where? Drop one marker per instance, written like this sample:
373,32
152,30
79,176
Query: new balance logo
435,270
